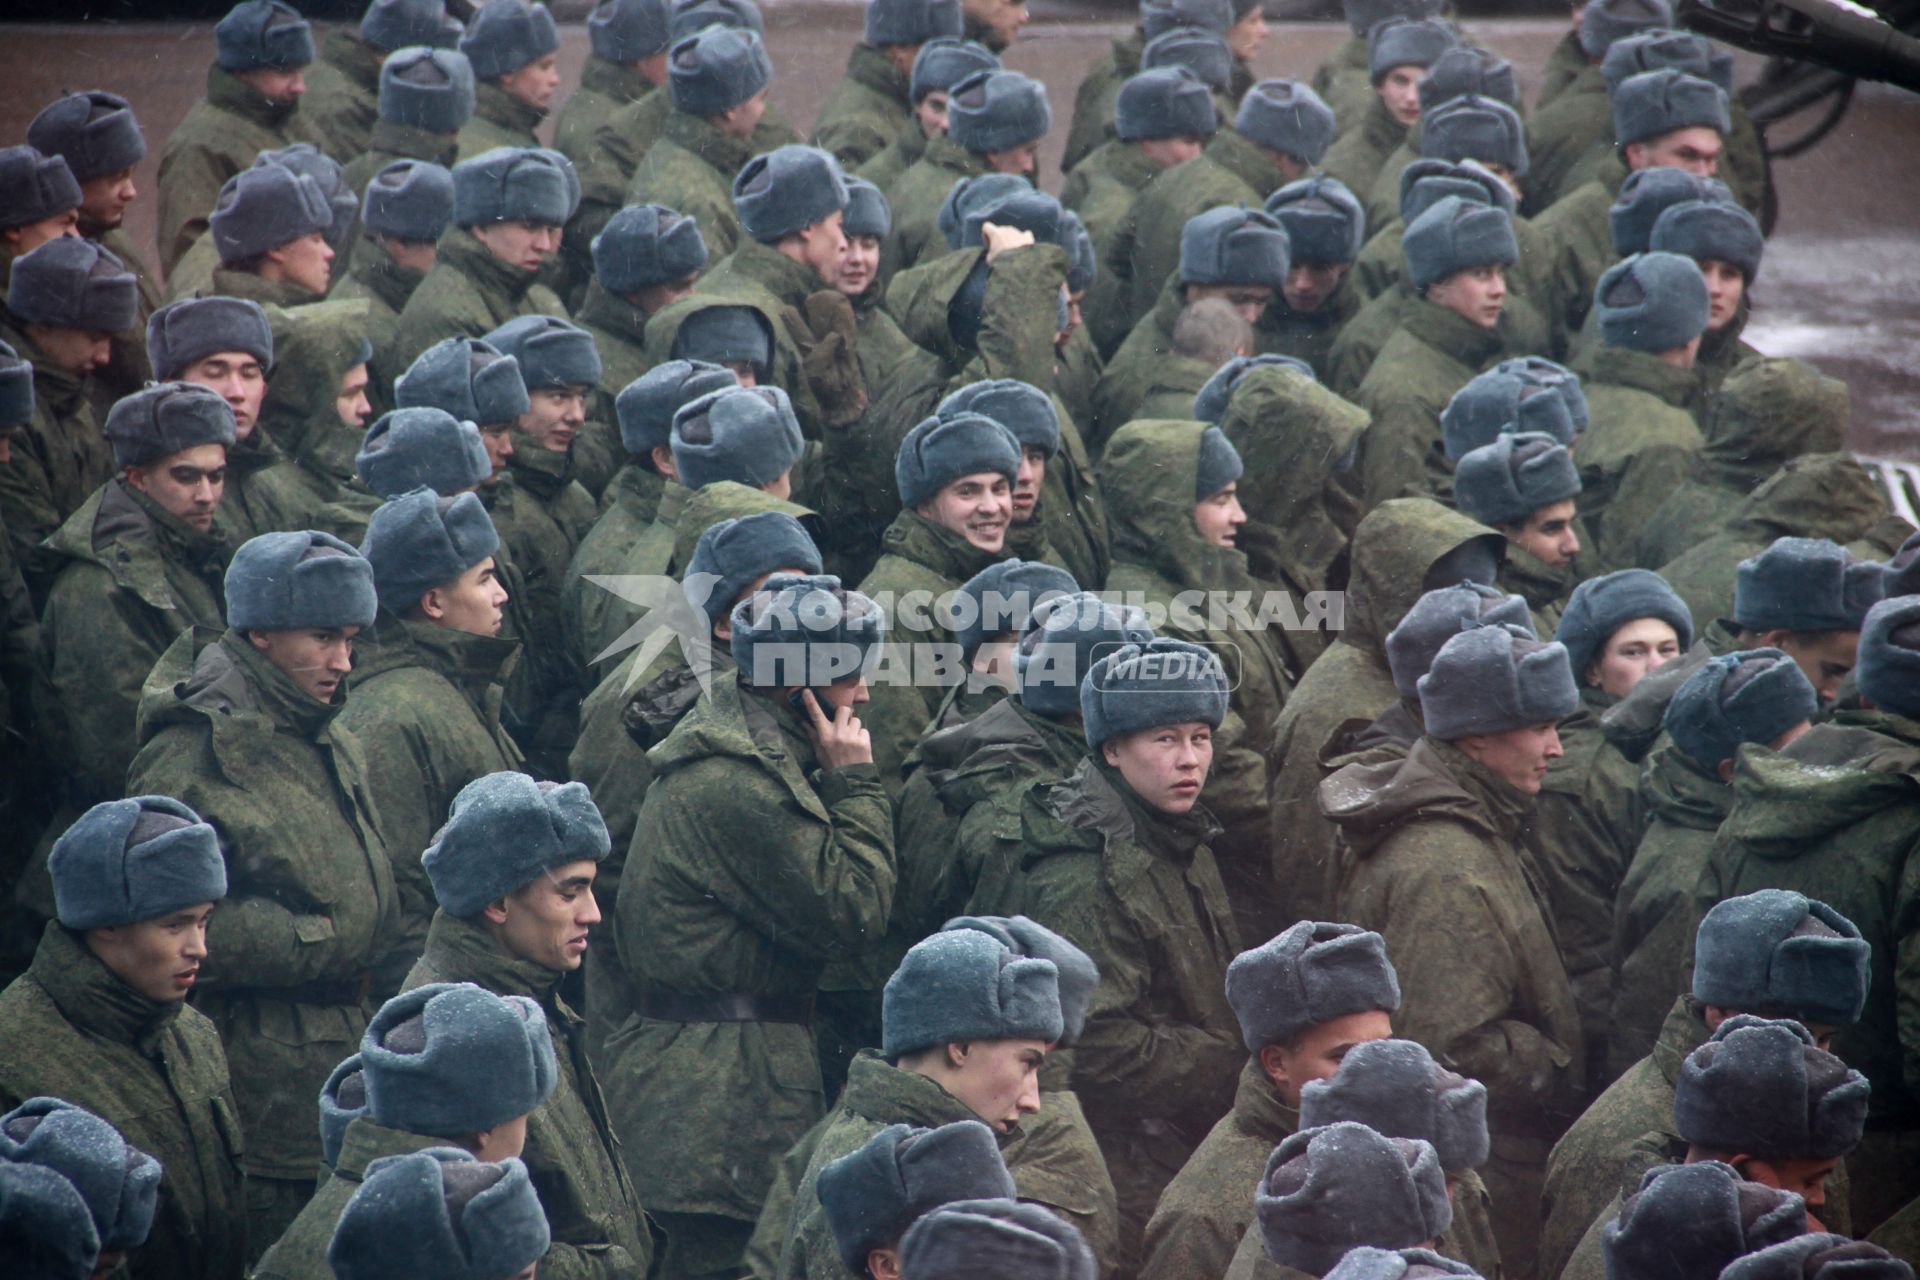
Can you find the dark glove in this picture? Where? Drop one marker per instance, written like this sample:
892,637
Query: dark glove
828,339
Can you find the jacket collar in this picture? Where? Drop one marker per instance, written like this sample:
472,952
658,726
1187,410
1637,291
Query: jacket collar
913,537
384,278
1246,160
879,1091
354,58
414,143
93,998
269,690
473,664
230,93
1680,1035
712,144
1257,1109
621,83
463,254
606,310
1451,333
942,150
787,280
1622,366
367,1140
496,106
257,288
461,951
539,470
867,66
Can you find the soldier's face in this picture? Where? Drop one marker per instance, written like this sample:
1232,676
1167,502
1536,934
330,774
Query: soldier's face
306,261
1548,534
1219,517
554,417
932,113
1310,284
187,485
470,603
1400,93
159,958
823,246
350,401
1826,657
1478,294
23,240
1316,1054
498,439
998,1079
1021,161
1726,286
547,921
1695,148
239,380
535,83
742,120
1003,19
1246,36
858,265
1519,756
1805,1177
316,659
1027,481
1633,650
1166,765
104,200
75,351
280,85
525,245
411,255
977,507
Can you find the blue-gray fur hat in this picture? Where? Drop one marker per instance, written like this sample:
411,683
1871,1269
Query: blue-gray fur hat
551,352
1651,302
1211,400
343,1099
1395,1088
1228,245
1438,616
738,550
1606,21
1751,696
183,333
997,111
724,332
1655,103
1702,229
429,89
873,1194
1326,1190
717,68
1500,402
814,630
1288,117
1217,466
503,36
1369,1263
944,62
440,1213
1689,1220
511,184
1538,371
1805,584
1309,973
941,450
260,34
1000,600
1654,48
402,24
1164,102
450,1059
420,540
1510,479
284,581
1018,406
1205,53
1889,656
964,985
162,418
46,1225
1819,1255
468,378
787,190
34,187
1363,15
1601,606
1063,640
1407,42
1426,182
625,31
343,202
409,200
1023,208
645,245
1323,220
73,283
16,389
1471,127
1648,193
1079,976
645,406
1160,16
685,17
745,434
136,859
1468,69
119,1182
1155,682
1456,235
974,1238
95,132
1762,1087
1493,679
867,210
968,197
1782,954
504,831
911,21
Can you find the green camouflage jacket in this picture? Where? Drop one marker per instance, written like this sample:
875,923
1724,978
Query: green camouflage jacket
301,1253
499,120
1358,155
384,286
915,199
620,543
60,458
342,101
605,88
468,293
389,142
1641,439
1093,100
691,169
900,155
1232,170
619,331
1432,354
866,111
1103,187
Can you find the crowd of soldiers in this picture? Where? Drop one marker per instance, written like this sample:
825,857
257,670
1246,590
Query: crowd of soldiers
462,820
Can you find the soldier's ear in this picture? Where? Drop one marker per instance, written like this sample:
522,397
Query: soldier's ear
495,912
883,1264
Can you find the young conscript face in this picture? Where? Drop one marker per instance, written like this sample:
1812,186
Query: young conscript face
977,507
1478,294
547,920
316,659
1519,757
470,603
1166,765
159,958
187,485
1219,517
1548,534
240,381
998,1079
1317,1052
1631,653
535,83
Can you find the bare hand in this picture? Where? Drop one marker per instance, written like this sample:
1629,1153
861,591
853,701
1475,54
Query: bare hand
999,239
840,741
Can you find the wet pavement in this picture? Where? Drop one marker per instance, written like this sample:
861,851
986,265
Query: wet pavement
1840,287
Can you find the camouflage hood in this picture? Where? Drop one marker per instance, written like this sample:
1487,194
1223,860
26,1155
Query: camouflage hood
969,763
1783,807
1822,495
313,348
1374,797
219,679
1767,413
1295,435
1394,548
1149,474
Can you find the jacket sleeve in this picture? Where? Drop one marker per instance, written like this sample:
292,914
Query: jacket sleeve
1394,457
100,644
1020,318
190,180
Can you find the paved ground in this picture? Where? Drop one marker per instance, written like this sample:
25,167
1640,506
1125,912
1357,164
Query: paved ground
1841,284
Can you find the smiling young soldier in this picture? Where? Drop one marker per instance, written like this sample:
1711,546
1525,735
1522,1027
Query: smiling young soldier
442,1066
513,870
135,882
141,562
1525,485
955,477
1304,1000
1433,848
239,726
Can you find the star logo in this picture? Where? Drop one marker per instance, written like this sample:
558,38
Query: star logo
671,610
